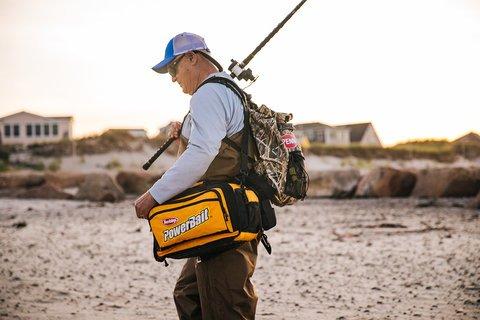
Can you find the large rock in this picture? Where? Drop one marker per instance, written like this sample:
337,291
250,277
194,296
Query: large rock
334,184
386,182
135,182
476,202
447,182
65,179
15,180
45,191
99,187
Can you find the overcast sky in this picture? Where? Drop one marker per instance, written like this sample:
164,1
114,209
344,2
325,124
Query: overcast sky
412,67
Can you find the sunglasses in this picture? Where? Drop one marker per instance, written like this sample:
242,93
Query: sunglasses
172,68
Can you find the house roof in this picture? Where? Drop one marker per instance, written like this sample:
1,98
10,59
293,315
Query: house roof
61,118
357,130
34,115
470,137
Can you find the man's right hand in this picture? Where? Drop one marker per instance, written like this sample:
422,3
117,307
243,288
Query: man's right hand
174,130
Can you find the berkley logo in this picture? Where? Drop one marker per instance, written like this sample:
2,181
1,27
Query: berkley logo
289,141
191,223
169,221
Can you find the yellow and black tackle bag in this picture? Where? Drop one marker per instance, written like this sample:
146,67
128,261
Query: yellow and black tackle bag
204,220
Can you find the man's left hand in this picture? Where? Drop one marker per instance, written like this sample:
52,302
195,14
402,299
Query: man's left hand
144,204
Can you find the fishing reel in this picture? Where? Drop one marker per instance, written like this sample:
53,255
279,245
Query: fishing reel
239,71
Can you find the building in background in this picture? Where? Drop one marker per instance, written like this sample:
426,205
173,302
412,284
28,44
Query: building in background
469,138
24,128
360,133
363,134
322,133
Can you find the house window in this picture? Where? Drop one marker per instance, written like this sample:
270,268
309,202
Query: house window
38,130
46,129
6,130
16,130
320,137
55,129
29,130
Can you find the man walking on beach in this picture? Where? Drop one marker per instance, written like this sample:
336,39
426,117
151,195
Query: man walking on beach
218,287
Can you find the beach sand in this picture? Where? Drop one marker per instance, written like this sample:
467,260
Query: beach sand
349,259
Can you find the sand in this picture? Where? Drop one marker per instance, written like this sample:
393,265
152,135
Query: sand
331,260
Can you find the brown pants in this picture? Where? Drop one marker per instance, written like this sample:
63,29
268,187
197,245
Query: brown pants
218,288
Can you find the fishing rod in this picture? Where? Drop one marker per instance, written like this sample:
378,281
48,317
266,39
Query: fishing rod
157,154
237,71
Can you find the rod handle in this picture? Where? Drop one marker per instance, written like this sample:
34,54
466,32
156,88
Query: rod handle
157,154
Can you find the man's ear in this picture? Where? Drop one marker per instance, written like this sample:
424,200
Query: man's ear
192,58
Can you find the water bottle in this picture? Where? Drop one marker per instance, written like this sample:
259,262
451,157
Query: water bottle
288,137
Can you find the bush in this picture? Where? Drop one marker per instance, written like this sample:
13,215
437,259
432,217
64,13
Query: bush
441,154
39,166
113,164
54,149
4,154
55,165
3,165
424,144
106,142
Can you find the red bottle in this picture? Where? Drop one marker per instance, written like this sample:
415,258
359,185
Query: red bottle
288,137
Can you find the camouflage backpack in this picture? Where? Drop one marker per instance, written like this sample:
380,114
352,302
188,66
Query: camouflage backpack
275,172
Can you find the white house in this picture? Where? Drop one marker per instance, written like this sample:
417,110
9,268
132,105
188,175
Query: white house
363,134
26,128
359,133
319,132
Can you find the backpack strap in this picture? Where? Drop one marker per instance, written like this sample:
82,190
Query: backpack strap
243,149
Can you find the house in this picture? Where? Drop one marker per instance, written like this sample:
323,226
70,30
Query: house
363,134
360,133
319,132
469,138
135,133
24,128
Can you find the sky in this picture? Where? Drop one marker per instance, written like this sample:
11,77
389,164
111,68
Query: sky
411,67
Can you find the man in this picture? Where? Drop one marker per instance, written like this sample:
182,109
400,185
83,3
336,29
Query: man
218,287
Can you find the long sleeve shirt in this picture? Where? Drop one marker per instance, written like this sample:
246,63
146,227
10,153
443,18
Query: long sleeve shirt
215,112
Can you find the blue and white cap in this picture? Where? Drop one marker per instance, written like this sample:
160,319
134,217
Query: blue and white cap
180,44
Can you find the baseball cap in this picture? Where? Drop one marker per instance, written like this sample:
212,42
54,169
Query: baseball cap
180,44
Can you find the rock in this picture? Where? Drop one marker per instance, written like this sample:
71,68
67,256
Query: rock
335,184
99,187
19,225
475,204
426,203
386,182
65,179
135,182
447,182
45,191
17,180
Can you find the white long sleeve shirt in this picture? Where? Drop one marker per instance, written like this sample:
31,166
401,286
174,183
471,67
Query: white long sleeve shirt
215,112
